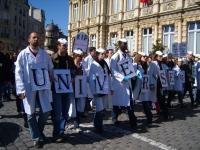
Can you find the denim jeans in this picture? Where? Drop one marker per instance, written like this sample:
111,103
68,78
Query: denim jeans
36,126
61,105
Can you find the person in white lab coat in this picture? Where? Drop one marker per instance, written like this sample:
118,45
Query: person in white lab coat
122,97
33,68
178,83
99,74
142,68
79,71
86,65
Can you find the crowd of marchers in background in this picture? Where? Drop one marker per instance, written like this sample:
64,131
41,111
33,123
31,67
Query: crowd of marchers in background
124,90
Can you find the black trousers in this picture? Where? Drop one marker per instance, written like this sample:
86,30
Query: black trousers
147,110
132,118
161,102
188,87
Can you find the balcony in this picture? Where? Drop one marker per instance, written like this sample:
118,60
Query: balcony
168,5
147,10
114,18
129,15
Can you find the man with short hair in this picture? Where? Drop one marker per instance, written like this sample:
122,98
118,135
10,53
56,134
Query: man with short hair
32,74
61,103
122,89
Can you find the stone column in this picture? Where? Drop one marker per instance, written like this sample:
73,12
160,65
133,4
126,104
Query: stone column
179,38
155,34
136,34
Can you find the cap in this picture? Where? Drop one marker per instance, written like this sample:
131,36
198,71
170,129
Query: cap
78,51
141,53
123,40
165,55
101,50
180,59
190,53
62,41
159,53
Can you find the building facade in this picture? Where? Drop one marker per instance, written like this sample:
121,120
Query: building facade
17,19
105,21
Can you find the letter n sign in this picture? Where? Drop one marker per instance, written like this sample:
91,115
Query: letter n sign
63,83
80,86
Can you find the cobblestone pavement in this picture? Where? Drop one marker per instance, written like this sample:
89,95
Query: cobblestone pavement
181,133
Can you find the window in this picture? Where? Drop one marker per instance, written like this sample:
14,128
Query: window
194,37
94,8
130,39
115,6
84,9
113,39
75,13
129,4
147,40
93,41
168,37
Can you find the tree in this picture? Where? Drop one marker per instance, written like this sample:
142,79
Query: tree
158,46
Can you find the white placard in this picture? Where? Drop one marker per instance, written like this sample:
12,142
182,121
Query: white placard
171,77
81,41
145,83
63,82
80,86
39,77
179,49
101,83
163,78
182,76
126,67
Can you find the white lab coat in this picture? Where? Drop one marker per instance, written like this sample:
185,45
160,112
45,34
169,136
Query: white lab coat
122,89
198,74
138,84
23,64
178,83
86,65
153,77
97,69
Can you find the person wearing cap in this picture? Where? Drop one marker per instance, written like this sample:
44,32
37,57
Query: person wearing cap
33,72
61,102
99,74
122,97
79,103
178,82
188,67
160,96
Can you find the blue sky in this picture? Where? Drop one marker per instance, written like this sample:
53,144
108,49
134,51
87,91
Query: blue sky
56,10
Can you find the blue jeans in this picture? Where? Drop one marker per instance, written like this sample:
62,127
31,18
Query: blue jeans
36,127
61,105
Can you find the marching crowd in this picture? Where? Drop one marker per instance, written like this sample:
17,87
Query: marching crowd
114,80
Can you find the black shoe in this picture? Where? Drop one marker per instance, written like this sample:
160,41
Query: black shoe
98,130
1,105
38,144
25,125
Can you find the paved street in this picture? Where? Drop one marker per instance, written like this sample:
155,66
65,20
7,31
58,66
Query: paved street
182,133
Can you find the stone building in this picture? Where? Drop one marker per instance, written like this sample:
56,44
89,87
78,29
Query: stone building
105,21
16,21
